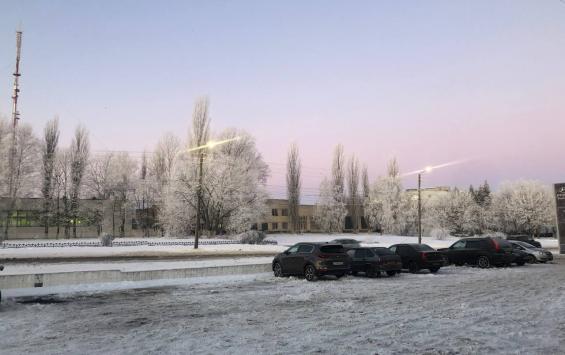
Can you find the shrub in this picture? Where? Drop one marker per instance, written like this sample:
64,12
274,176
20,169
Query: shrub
106,239
439,233
252,237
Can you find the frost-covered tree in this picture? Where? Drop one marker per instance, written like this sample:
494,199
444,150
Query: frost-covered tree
145,197
162,161
293,169
338,173
455,212
522,206
98,181
388,207
61,189
354,199
19,167
123,182
233,188
79,152
49,149
330,210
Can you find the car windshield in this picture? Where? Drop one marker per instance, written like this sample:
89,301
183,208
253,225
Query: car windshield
422,247
382,251
332,249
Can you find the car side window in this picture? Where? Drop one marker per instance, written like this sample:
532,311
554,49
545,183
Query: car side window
402,250
393,249
459,245
473,244
360,253
293,250
369,253
307,249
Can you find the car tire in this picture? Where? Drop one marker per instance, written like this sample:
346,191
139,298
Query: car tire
277,270
458,264
531,259
339,276
391,273
354,273
413,267
433,270
483,262
310,273
520,263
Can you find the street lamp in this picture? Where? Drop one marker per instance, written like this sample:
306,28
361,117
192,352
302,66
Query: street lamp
200,149
427,169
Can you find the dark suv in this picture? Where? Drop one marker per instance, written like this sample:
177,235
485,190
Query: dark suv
418,256
373,261
312,260
482,252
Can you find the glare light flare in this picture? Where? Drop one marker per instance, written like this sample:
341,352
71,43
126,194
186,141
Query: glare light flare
212,144
430,168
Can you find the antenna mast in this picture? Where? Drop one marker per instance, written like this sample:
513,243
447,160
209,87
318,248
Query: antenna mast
15,113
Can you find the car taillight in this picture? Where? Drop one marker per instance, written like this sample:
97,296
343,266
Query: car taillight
424,256
324,256
495,245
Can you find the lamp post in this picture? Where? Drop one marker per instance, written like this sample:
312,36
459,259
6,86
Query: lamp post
200,149
426,170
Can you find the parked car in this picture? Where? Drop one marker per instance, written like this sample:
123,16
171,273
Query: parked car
415,257
533,254
524,238
373,261
520,257
312,260
347,243
483,252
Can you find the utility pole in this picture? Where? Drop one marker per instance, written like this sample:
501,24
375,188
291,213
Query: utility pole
199,197
419,208
15,117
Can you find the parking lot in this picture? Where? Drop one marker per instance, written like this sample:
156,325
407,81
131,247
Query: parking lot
459,310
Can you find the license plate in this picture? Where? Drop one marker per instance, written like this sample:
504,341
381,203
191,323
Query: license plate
338,262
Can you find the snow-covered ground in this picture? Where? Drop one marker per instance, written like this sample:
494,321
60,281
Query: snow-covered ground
283,240
139,251
460,310
126,266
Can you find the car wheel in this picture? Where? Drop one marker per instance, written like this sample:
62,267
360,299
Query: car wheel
339,276
354,273
433,270
520,263
310,273
458,264
277,270
413,267
391,273
531,259
483,262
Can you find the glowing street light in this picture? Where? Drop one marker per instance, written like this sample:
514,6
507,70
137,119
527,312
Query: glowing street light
428,169
208,145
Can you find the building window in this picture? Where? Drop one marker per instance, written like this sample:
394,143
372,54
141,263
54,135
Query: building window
264,226
274,212
275,226
284,226
303,223
284,212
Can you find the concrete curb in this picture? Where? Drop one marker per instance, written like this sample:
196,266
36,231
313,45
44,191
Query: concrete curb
103,276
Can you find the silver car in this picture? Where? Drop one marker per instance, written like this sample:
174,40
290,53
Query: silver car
534,254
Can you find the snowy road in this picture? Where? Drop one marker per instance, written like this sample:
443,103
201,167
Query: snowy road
460,310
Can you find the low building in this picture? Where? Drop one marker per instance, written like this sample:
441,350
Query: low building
276,219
